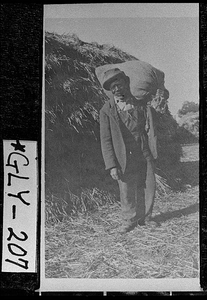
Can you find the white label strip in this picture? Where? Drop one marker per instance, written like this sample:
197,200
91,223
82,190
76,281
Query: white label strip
20,206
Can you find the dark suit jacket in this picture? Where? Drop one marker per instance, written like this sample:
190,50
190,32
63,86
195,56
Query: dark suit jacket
112,143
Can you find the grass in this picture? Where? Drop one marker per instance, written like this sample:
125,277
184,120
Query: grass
88,245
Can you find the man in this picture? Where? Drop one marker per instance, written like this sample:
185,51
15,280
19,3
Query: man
125,148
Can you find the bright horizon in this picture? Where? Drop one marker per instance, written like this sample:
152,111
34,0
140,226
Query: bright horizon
169,42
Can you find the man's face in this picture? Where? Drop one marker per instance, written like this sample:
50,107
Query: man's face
120,88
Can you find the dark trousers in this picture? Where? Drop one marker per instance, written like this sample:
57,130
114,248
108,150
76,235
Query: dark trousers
137,192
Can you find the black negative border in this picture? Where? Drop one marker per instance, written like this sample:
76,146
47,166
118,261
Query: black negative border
21,102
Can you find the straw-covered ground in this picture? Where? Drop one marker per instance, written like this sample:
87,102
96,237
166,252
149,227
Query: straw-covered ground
88,245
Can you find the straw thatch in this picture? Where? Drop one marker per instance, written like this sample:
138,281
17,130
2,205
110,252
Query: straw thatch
73,98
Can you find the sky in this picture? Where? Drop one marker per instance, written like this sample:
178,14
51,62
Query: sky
166,35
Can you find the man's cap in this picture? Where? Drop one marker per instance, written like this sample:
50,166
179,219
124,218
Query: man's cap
111,75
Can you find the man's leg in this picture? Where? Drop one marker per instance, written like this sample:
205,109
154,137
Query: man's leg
149,196
140,198
132,203
150,189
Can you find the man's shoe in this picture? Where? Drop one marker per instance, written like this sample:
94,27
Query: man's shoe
147,222
126,228
150,222
141,222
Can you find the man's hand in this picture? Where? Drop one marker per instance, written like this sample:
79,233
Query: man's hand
115,173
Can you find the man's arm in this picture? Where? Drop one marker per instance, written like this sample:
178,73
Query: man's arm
106,142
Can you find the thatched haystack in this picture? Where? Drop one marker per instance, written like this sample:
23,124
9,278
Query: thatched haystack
73,98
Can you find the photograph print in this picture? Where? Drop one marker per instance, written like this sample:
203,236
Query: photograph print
121,145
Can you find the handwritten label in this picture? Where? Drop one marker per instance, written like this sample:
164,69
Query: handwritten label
20,206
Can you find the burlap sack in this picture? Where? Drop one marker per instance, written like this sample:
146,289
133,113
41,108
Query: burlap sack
144,78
